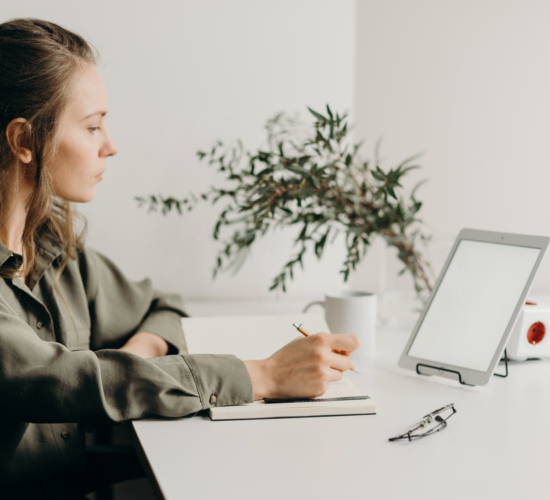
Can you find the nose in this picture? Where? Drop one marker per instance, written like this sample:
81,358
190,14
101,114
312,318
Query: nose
113,150
109,147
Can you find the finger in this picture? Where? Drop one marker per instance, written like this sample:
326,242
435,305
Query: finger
344,353
343,342
339,362
335,375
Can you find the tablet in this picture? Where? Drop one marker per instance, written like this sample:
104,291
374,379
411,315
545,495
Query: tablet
474,304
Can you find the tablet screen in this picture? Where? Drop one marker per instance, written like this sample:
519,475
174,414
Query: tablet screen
474,304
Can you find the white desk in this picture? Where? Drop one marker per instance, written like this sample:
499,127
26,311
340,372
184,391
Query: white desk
497,446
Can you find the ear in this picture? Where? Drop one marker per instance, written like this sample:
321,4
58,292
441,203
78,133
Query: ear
16,135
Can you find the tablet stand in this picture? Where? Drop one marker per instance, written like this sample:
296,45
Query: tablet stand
503,375
439,368
505,366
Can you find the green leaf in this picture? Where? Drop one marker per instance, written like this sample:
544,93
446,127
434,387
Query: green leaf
320,245
315,182
418,185
303,232
348,160
378,176
406,169
297,169
408,160
319,116
264,171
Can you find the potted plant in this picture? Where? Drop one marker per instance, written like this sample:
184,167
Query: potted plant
311,177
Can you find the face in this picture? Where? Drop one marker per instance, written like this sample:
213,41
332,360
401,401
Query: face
85,143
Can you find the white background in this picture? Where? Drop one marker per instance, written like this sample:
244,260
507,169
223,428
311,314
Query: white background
467,83
464,82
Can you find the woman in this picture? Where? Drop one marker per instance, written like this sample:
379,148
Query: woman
79,343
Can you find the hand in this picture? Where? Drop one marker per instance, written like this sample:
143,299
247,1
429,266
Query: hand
304,367
146,345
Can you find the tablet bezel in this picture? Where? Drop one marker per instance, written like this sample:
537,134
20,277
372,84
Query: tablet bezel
467,375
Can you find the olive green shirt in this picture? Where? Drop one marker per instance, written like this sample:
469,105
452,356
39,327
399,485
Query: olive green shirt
61,371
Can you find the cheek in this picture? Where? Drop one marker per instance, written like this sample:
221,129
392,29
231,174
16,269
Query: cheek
74,152
73,168
74,158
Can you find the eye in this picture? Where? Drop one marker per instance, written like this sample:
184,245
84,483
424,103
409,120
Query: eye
94,129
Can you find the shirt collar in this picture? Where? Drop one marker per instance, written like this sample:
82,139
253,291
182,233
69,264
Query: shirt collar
5,254
8,258
48,241
48,248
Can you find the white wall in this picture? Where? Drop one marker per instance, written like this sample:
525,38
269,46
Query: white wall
467,82
464,82
180,75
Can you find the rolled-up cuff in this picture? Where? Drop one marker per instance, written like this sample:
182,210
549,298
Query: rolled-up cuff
221,380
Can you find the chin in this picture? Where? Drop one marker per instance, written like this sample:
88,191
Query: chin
85,199
79,198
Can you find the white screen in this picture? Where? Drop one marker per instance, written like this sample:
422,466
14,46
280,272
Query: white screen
474,304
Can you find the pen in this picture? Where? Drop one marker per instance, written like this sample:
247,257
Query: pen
305,333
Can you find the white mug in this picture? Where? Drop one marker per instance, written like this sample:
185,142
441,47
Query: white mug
352,312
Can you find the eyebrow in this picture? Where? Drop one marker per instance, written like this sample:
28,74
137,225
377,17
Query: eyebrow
102,113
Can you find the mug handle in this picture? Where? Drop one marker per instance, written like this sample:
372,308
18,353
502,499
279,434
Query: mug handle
316,303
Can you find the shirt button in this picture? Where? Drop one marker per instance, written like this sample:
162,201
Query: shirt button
39,325
213,399
64,434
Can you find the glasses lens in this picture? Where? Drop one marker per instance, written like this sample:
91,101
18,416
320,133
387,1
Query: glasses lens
431,423
437,425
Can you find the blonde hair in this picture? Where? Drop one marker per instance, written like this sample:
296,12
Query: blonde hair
38,62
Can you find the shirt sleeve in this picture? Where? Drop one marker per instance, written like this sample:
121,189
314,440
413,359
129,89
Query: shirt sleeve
120,307
46,382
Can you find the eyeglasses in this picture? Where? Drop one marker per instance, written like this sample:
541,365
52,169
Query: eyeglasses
430,424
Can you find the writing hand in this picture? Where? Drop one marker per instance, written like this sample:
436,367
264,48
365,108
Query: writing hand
303,367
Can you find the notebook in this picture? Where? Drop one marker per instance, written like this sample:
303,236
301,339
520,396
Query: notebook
257,337
341,398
